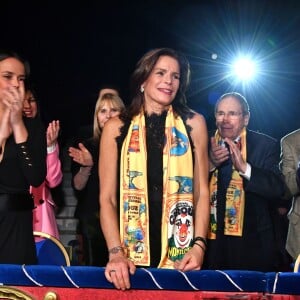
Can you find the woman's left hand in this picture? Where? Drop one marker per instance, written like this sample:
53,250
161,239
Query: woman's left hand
192,260
13,98
52,132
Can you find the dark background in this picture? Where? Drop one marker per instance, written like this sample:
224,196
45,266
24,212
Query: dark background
74,48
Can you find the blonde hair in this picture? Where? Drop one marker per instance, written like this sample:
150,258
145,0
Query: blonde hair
116,103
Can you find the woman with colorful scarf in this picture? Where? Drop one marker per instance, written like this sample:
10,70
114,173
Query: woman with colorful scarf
154,174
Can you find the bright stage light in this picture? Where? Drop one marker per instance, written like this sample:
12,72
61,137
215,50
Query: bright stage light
244,69
214,56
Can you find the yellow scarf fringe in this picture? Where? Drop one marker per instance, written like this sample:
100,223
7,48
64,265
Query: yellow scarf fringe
177,198
235,198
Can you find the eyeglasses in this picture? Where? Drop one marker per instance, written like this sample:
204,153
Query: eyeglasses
233,115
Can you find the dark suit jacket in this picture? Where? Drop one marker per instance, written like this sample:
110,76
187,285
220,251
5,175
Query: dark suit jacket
263,192
265,188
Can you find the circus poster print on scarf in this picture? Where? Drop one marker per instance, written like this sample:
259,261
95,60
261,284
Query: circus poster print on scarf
177,217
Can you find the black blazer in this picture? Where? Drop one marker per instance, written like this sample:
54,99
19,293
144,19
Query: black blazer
265,189
258,248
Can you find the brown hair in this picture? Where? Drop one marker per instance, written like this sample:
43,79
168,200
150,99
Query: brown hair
4,54
143,70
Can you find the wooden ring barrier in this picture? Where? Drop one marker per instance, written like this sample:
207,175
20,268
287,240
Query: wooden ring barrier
7,292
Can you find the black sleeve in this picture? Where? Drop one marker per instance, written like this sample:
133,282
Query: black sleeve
266,179
32,153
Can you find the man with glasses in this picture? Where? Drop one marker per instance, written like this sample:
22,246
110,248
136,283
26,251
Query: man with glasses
245,187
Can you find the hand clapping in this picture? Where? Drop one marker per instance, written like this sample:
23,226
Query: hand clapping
52,132
81,155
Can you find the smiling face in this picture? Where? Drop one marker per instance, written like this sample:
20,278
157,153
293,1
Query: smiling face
230,118
30,105
12,73
106,111
162,85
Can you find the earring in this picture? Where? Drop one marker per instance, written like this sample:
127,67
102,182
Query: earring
142,89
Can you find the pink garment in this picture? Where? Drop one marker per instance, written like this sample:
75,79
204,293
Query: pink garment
44,212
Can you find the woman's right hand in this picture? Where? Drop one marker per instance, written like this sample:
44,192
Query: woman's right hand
12,118
12,100
81,155
118,269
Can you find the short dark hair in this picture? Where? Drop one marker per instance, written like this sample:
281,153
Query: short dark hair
241,99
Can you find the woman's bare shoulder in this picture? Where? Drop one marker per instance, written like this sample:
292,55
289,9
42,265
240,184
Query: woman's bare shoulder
196,120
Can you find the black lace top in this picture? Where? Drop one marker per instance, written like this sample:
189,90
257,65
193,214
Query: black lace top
155,129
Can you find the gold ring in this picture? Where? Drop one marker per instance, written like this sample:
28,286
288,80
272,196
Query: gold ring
111,271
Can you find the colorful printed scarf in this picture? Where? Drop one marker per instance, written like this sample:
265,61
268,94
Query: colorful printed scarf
177,198
235,197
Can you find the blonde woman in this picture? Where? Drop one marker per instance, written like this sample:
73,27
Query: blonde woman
85,179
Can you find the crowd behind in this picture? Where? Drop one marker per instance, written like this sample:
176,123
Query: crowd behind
154,186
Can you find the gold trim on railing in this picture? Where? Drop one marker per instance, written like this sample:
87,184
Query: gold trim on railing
7,292
51,296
